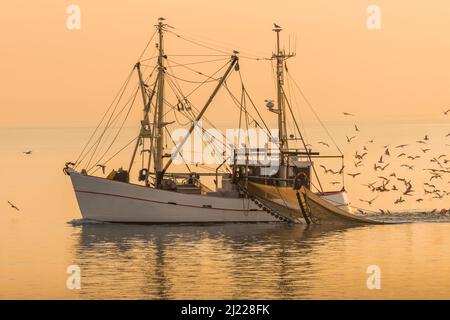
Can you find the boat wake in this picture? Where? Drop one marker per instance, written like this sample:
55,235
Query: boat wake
412,216
80,222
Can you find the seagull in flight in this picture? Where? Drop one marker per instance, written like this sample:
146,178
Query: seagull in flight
347,114
368,201
324,143
276,26
447,112
13,206
353,175
103,167
28,152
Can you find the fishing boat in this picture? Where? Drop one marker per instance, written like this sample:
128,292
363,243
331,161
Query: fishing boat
245,189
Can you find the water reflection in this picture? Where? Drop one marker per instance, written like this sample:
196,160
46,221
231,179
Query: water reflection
210,261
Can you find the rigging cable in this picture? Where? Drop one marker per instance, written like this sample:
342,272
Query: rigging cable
103,117
118,132
131,99
301,137
206,43
314,112
119,93
114,155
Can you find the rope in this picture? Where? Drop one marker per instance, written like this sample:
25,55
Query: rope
198,44
118,132
114,155
190,81
200,62
303,141
253,55
146,46
103,117
314,112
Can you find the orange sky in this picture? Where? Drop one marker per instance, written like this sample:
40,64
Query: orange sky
50,76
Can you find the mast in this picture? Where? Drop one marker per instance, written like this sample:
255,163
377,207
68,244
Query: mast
159,124
281,57
233,63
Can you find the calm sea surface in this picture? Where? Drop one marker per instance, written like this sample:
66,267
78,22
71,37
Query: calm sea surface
234,261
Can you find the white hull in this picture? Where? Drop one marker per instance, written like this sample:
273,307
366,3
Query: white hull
112,201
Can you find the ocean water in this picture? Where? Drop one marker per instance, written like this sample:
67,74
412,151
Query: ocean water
235,261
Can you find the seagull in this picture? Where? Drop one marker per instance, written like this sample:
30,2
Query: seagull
425,150
28,152
360,156
324,143
371,141
375,167
401,155
276,26
381,159
103,167
356,128
419,200
347,114
402,146
368,201
353,175
358,164
370,185
350,139
13,206
325,169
